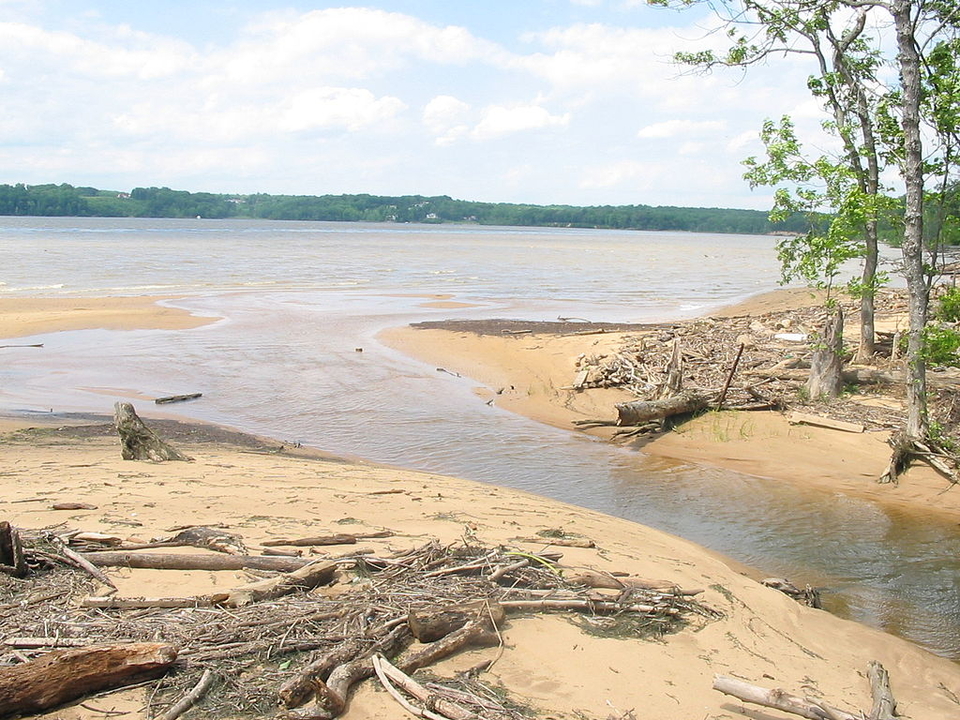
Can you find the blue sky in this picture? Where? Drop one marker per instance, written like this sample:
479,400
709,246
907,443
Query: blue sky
542,101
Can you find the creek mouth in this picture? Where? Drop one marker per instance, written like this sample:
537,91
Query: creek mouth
299,298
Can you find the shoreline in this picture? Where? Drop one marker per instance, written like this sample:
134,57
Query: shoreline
529,369
761,634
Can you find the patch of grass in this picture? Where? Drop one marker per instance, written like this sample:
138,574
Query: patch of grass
628,626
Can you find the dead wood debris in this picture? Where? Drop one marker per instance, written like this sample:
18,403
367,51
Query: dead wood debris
771,356
329,639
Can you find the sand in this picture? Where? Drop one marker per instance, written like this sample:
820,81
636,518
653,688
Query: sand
763,636
22,317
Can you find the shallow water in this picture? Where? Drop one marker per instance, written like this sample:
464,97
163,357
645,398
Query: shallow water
299,298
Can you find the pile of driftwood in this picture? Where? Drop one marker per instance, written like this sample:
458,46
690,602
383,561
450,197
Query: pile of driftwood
302,635
753,363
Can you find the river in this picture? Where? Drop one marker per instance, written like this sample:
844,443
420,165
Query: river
297,299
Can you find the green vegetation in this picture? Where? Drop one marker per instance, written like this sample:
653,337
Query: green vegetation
66,200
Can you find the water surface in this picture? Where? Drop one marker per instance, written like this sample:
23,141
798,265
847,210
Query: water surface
297,299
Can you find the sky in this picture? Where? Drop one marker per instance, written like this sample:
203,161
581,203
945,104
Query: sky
529,101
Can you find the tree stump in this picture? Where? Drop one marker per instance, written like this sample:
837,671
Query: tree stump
826,379
137,441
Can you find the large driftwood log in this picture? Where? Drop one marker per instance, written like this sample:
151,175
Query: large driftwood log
137,441
779,700
639,412
825,366
167,561
65,675
12,560
305,578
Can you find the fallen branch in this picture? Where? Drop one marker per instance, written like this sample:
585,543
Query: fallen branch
778,700
305,578
114,603
446,710
336,539
65,675
192,697
177,398
164,561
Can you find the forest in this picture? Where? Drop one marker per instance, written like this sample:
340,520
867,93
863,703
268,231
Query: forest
67,200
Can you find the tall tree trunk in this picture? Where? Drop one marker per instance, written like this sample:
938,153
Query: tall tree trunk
917,289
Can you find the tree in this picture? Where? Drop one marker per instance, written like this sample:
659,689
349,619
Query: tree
865,114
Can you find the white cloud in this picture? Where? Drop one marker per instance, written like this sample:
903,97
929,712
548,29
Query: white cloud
613,174
444,116
499,120
329,107
683,128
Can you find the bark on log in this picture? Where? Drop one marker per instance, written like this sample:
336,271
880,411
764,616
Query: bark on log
481,632
137,441
166,561
331,696
639,412
305,578
12,560
777,699
65,675
825,366
335,539
431,625
298,689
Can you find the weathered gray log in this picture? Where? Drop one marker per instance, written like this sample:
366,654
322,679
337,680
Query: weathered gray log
778,699
166,561
12,560
884,704
137,441
65,675
639,412
826,365
305,578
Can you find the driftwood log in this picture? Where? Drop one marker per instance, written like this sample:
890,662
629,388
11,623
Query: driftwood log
167,561
779,700
137,441
638,412
65,675
12,560
335,539
305,578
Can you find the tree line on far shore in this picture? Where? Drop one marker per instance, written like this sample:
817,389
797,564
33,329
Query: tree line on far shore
67,200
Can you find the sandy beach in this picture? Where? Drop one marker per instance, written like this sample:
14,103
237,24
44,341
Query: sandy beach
261,492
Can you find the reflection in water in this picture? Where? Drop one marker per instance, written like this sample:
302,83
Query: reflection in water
284,365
